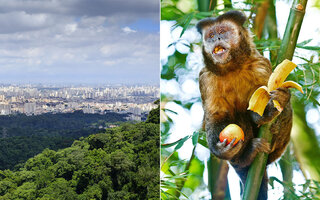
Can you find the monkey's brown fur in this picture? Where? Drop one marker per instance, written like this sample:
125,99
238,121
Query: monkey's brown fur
226,84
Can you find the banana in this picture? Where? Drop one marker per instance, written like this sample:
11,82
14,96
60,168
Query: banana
259,100
292,84
261,96
280,74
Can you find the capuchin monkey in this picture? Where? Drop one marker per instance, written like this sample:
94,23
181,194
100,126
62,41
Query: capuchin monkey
233,70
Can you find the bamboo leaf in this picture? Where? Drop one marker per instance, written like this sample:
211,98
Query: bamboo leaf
186,23
170,12
313,48
195,137
314,100
306,185
304,42
201,15
203,142
169,110
181,142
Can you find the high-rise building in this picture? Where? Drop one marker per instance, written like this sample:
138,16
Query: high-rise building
30,108
5,109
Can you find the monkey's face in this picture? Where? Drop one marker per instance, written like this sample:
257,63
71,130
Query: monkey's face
219,40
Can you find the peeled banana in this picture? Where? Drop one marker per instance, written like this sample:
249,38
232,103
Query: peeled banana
259,100
261,96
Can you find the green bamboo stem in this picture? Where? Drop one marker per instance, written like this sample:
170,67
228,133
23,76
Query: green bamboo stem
260,18
271,26
217,186
272,21
292,30
287,172
287,48
257,168
206,5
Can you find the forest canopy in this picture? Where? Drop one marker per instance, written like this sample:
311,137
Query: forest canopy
22,137
122,163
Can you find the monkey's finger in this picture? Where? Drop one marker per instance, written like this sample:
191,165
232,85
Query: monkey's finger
240,143
224,142
232,142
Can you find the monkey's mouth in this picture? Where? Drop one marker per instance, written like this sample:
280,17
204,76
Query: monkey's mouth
219,50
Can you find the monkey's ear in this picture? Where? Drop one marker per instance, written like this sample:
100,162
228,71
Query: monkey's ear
235,16
204,23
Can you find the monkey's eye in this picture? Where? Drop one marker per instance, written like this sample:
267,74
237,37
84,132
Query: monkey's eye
211,35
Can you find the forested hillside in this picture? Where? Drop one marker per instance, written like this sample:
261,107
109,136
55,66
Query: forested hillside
22,137
122,163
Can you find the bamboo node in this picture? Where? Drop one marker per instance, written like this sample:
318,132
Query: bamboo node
299,6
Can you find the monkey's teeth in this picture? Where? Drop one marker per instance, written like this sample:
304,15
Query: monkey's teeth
218,49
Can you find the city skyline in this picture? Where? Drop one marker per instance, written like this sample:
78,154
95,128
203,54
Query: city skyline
37,100
79,42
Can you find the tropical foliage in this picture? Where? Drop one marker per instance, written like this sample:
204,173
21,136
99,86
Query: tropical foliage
122,163
23,137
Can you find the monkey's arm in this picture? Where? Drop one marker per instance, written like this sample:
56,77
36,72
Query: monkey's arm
243,153
220,149
282,95
216,112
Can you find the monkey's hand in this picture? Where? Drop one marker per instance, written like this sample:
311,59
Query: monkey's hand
253,147
226,151
281,95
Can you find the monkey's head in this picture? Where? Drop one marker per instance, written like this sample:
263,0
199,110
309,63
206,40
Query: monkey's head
224,38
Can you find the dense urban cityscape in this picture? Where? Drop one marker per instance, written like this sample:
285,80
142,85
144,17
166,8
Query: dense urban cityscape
39,99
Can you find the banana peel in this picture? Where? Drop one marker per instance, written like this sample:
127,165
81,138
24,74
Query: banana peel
261,96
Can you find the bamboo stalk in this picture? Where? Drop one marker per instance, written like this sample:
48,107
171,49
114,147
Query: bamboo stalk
260,18
217,186
287,48
287,172
206,5
271,25
257,168
292,30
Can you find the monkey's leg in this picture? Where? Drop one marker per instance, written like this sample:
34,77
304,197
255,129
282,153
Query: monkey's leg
280,129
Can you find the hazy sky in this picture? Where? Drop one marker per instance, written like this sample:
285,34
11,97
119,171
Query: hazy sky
79,41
